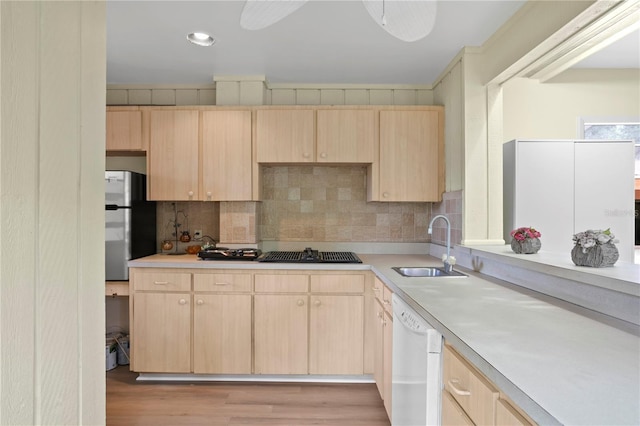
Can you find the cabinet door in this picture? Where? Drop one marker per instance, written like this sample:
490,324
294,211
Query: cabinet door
346,136
222,334
226,156
173,155
124,131
280,334
378,356
387,361
604,199
285,136
162,333
336,331
411,158
543,193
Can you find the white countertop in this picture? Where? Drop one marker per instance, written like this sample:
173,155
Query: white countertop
554,361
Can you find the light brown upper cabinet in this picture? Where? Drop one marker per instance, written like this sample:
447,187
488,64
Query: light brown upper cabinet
346,136
124,130
226,156
285,136
411,166
173,155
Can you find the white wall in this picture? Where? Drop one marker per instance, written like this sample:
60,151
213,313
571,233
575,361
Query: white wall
51,213
534,110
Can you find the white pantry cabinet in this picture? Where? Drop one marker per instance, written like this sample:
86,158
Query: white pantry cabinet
562,187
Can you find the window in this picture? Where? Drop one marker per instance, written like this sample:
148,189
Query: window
604,128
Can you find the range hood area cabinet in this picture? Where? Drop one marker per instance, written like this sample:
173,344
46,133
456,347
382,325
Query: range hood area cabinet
315,136
199,155
562,187
402,146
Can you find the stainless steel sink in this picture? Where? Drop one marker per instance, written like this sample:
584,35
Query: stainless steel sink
427,271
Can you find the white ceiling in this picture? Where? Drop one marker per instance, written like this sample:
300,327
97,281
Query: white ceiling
332,42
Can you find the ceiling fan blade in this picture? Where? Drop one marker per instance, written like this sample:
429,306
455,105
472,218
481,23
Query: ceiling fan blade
259,14
409,20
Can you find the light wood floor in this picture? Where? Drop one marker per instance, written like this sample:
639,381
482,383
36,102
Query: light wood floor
212,403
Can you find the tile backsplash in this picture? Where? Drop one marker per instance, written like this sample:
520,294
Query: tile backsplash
450,206
312,204
328,203
191,215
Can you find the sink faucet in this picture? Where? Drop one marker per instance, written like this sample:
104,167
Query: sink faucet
448,260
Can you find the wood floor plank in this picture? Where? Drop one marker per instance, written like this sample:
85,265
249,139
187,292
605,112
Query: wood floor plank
132,403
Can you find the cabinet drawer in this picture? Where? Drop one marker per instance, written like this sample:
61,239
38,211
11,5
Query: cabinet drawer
222,282
281,283
116,288
506,415
162,281
475,394
337,283
452,413
377,288
386,299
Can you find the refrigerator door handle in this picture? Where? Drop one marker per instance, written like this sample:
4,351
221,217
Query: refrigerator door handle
115,207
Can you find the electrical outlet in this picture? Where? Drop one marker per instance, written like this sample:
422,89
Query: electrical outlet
197,234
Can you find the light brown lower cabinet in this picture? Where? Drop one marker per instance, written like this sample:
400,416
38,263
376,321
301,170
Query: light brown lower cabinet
280,333
388,343
468,396
383,326
161,333
222,334
309,324
247,322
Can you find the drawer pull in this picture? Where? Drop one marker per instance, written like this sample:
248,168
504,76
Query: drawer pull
386,302
300,302
200,302
221,283
161,282
375,288
456,390
182,302
317,303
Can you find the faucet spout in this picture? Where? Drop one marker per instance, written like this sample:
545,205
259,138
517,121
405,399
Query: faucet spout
448,267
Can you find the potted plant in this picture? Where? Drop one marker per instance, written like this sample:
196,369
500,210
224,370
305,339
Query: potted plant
595,248
526,240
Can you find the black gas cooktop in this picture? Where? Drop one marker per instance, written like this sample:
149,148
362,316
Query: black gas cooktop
308,255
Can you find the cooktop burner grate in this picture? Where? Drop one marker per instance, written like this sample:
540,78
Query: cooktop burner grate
339,257
310,256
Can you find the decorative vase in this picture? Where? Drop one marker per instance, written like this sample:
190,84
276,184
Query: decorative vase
598,256
526,246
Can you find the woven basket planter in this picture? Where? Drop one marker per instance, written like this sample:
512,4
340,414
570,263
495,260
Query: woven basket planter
598,256
526,246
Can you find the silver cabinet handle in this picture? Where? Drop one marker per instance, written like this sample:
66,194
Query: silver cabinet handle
161,282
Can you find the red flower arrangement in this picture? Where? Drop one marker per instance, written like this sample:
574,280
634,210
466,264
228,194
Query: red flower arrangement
525,232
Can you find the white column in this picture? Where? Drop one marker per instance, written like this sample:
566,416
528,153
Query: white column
52,117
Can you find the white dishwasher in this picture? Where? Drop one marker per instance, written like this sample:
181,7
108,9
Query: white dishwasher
416,372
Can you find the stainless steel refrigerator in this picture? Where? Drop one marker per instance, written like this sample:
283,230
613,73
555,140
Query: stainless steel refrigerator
130,231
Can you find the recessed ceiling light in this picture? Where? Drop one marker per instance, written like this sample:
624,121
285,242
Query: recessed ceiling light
201,39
